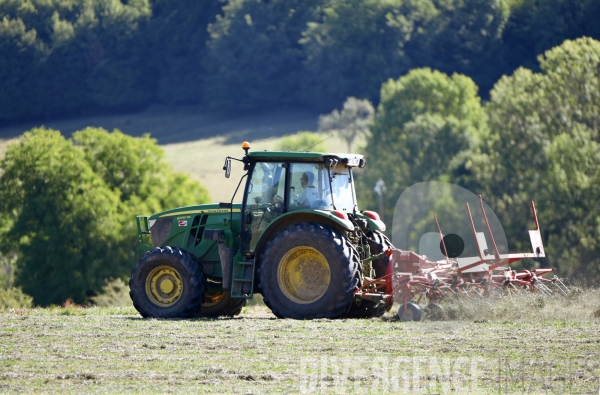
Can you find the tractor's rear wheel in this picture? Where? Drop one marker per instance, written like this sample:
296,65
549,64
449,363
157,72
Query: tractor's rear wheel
308,271
378,243
167,283
221,304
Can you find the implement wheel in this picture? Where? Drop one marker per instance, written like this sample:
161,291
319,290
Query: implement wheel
412,313
308,271
167,283
221,304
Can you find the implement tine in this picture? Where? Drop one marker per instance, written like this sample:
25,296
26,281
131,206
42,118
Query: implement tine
560,285
487,223
479,250
550,291
441,238
543,288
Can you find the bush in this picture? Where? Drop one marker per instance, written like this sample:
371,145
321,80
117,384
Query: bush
302,141
14,298
115,293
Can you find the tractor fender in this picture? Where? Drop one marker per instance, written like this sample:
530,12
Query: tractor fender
373,224
298,216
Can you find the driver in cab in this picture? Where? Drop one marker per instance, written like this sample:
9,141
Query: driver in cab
309,195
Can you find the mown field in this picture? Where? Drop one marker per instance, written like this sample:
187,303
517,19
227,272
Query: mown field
553,342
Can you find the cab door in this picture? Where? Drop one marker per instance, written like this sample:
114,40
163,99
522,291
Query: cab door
263,201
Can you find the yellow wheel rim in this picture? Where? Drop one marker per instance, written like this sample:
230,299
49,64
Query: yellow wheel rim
303,275
212,299
164,286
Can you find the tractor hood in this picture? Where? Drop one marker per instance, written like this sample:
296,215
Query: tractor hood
199,209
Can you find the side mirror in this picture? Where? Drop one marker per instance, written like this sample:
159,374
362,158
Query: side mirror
227,167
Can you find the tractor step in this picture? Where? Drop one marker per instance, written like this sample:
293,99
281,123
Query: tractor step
243,278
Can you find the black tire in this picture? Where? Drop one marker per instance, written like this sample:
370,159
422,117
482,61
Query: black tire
413,312
434,312
378,243
164,265
221,304
310,244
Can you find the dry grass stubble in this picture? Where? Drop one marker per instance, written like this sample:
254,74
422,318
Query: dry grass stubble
77,350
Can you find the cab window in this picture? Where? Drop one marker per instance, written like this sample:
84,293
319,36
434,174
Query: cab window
309,187
264,200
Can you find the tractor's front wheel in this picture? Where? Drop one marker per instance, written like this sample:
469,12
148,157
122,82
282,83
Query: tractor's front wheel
308,271
167,283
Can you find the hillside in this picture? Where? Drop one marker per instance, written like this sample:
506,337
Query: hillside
195,142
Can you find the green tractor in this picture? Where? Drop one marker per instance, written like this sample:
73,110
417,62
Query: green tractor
297,238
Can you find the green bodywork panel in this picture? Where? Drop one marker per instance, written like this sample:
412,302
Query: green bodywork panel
373,225
326,215
184,228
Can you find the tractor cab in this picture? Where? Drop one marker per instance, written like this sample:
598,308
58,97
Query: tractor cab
282,185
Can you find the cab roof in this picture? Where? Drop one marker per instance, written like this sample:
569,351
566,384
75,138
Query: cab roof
349,159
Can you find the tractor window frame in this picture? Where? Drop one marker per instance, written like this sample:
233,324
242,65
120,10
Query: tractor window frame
262,210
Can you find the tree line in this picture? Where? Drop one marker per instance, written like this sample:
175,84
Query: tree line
537,138
71,57
67,206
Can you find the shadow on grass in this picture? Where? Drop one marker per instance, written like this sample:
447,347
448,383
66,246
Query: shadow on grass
181,124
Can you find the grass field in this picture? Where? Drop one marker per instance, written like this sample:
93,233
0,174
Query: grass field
113,350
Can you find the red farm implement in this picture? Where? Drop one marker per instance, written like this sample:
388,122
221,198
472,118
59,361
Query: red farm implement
412,278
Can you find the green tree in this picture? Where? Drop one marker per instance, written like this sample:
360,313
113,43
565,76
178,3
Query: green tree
135,168
178,32
543,146
356,45
302,141
66,221
425,123
69,207
466,38
91,53
254,57
353,121
19,52
536,26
